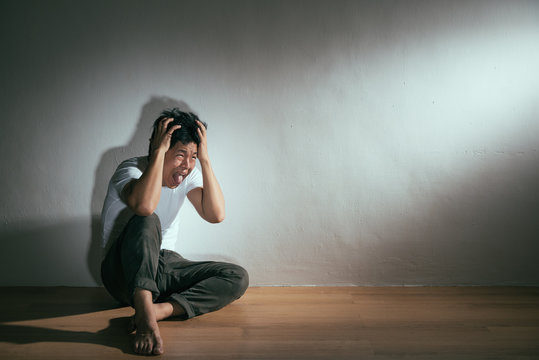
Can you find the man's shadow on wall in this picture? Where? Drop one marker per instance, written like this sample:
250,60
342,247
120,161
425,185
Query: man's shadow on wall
137,146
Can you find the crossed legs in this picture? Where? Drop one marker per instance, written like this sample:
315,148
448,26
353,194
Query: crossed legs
160,284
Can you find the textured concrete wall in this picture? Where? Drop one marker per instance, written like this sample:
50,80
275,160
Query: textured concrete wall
356,142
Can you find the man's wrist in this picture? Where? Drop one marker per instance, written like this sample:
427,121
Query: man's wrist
157,153
204,162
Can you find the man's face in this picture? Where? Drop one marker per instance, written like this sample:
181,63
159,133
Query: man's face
179,162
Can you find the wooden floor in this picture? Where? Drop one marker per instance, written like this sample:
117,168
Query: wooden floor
284,323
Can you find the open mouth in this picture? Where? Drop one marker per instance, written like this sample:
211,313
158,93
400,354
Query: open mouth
178,177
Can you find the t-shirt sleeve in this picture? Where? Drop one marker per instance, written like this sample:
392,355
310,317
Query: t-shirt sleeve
127,171
194,180
115,212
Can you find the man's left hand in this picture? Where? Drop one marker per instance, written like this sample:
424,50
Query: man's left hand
203,146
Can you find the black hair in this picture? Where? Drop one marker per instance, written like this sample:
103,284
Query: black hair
186,134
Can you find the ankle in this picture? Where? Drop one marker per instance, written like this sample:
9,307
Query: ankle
144,311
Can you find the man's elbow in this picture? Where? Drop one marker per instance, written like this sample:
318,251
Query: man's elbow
140,207
216,219
142,210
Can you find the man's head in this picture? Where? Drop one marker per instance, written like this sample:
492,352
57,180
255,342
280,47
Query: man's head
181,156
186,134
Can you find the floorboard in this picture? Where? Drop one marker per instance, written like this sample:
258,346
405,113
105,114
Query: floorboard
284,323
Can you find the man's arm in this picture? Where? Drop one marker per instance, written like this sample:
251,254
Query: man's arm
208,201
142,194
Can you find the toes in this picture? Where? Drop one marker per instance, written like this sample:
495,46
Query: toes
147,347
158,348
141,347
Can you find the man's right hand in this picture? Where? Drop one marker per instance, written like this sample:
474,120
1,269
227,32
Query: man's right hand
162,136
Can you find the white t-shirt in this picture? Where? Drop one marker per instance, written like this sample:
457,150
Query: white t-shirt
116,214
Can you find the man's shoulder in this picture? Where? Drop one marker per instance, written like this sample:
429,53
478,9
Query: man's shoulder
133,167
140,162
136,164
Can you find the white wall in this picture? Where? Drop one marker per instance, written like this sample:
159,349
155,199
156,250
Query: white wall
367,143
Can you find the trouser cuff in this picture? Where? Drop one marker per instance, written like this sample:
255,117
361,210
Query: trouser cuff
189,313
146,284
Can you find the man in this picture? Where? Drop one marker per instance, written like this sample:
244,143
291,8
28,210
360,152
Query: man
141,225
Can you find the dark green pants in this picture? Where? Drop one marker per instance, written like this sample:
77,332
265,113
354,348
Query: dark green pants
136,261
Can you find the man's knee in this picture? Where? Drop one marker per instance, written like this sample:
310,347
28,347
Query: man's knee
239,277
141,236
150,221
244,282
146,227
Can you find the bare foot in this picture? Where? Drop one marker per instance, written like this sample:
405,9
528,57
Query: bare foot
148,342
147,339
162,311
